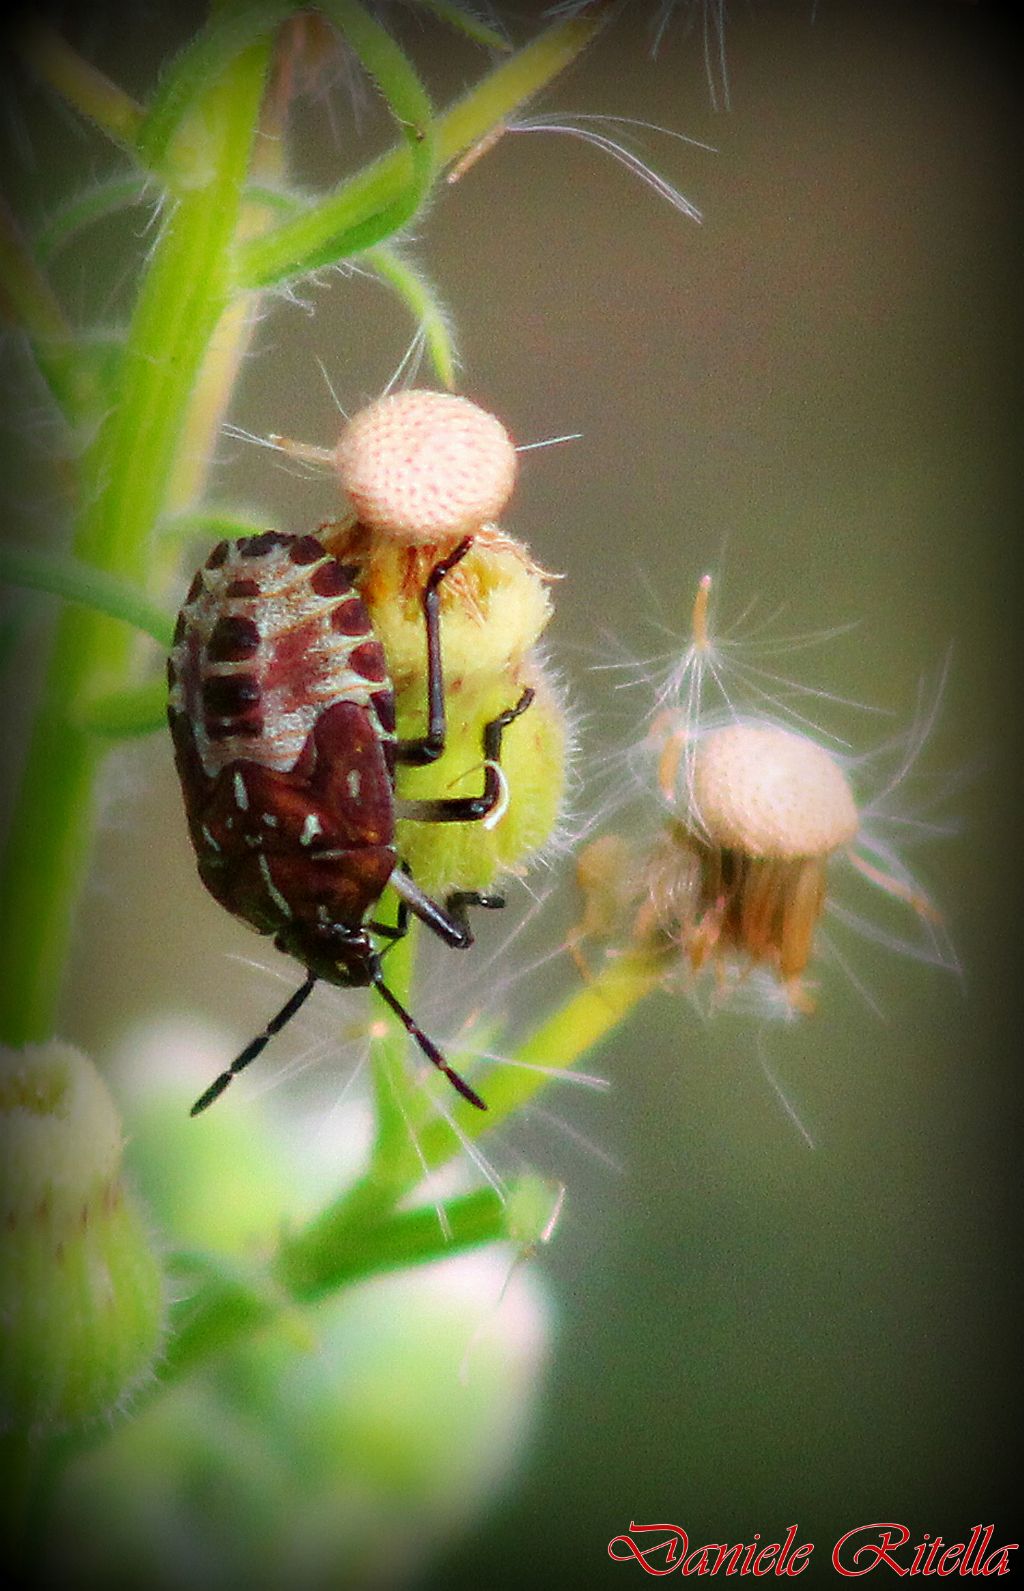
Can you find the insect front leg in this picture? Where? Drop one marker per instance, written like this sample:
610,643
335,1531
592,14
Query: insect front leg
427,748
256,1046
493,799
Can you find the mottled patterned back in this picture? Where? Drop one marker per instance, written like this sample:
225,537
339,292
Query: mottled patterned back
271,633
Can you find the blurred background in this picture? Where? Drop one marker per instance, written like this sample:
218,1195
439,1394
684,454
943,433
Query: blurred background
813,394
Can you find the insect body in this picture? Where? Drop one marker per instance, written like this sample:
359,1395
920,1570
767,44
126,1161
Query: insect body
283,720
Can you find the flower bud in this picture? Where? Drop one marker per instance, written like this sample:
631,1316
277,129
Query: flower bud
494,605
80,1287
533,757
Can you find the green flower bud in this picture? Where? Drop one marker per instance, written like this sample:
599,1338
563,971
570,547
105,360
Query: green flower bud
494,605
215,1182
80,1286
423,471
533,761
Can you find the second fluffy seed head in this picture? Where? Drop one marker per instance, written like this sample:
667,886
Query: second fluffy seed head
767,792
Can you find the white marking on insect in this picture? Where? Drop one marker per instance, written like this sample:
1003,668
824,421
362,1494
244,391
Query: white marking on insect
208,837
310,829
241,793
269,819
354,781
500,806
272,889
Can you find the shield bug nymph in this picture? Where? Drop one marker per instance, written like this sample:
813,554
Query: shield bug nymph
283,720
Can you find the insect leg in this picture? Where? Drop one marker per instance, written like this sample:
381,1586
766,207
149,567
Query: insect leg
447,926
251,1051
455,905
428,1047
427,748
470,809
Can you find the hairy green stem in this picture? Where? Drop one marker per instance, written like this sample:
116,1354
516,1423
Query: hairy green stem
231,1302
312,1257
308,1271
574,1030
376,201
130,466
81,84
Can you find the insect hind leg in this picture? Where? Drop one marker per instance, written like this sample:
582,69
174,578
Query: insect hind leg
429,1048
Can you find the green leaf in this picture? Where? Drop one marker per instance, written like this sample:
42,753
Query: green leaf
122,714
219,1302
388,65
378,200
325,1256
81,84
80,583
517,80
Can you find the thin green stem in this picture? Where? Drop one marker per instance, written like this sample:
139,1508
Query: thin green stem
366,209
422,299
227,1303
517,80
83,210
81,84
574,1030
181,299
465,22
379,199
308,1261
86,586
28,301
315,1262
169,139
389,1058
223,1304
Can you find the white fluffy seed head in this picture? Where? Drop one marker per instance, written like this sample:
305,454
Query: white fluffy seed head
426,467
768,792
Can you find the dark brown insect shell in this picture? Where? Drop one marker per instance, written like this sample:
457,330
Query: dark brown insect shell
301,853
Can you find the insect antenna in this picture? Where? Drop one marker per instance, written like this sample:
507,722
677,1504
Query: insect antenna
257,1045
428,1047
